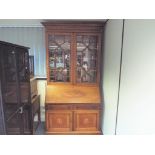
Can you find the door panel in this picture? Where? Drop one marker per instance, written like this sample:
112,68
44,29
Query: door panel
15,89
59,121
59,47
10,89
86,55
85,120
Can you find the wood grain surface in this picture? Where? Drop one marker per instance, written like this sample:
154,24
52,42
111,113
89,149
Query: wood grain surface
72,94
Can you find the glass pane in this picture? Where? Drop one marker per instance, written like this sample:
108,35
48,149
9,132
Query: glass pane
9,77
59,57
22,61
86,59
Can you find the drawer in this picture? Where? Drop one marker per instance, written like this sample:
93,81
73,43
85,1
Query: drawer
86,107
58,107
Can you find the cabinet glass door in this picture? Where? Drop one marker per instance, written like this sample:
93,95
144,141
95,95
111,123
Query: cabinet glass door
59,47
10,89
15,89
86,68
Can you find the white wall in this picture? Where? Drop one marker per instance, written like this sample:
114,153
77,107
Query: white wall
111,67
137,92
136,111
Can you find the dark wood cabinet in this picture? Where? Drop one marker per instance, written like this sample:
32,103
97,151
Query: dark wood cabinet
73,101
15,89
16,108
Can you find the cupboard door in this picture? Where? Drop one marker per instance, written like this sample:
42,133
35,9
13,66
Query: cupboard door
58,121
23,76
11,90
86,120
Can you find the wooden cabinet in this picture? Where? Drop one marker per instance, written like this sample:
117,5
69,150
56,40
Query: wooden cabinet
15,97
19,101
73,100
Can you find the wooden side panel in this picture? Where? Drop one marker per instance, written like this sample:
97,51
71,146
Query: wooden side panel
57,121
13,127
36,112
2,123
86,120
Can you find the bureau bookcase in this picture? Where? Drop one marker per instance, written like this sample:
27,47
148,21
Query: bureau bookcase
73,100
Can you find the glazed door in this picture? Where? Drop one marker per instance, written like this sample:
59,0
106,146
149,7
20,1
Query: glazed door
13,96
87,49
59,58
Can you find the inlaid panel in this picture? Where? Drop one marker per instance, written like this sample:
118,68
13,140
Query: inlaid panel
86,120
86,59
59,121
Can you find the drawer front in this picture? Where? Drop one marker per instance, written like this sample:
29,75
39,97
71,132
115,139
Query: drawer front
58,121
86,107
73,106
58,107
86,120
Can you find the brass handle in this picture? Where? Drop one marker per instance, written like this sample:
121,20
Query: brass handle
21,110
